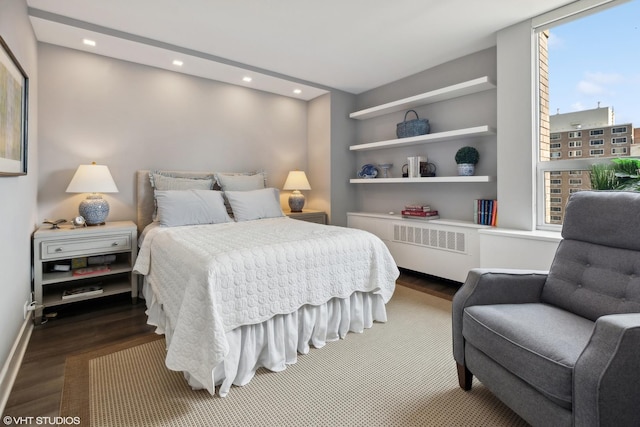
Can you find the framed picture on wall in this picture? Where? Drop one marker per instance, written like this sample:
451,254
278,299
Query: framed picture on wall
14,102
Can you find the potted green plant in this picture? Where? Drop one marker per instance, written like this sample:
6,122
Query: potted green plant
467,158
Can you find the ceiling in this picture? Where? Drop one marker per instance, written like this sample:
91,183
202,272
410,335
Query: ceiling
350,45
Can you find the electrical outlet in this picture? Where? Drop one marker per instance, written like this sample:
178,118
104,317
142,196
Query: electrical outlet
26,309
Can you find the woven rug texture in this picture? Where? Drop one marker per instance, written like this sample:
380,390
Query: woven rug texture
399,373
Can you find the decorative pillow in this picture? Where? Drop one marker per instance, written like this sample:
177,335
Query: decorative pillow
191,207
255,204
240,182
163,182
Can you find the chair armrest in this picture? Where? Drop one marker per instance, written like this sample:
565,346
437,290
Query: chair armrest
606,378
493,286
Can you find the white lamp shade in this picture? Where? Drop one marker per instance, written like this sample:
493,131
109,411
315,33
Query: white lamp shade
297,180
92,179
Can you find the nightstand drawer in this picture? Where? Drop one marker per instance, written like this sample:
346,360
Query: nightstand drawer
82,247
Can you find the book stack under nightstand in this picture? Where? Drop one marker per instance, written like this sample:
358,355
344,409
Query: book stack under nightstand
76,264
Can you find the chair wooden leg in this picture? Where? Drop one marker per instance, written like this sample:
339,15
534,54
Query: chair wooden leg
465,377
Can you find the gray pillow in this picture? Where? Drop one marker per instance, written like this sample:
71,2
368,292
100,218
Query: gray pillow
255,204
240,182
191,207
162,182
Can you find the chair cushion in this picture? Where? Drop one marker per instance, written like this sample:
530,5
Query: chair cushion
538,343
609,218
593,280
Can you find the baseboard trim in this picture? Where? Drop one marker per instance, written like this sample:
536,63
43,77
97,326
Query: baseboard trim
12,364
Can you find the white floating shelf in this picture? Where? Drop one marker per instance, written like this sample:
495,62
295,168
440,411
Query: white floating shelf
465,88
424,139
473,178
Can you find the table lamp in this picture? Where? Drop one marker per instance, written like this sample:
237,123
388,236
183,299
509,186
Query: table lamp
93,179
296,181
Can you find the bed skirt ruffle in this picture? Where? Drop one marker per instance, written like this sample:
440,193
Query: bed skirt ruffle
275,343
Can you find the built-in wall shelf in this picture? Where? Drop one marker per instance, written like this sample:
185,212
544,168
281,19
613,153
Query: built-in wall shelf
458,134
433,179
461,89
399,217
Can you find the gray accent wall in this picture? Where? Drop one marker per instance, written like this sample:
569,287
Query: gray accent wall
452,200
18,205
130,116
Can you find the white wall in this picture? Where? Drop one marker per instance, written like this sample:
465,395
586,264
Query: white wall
319,147
18,194
517,126
131,116
342,163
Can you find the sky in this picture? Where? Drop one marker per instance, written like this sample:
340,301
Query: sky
597,59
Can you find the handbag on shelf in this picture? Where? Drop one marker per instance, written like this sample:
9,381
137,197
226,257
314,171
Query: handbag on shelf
413,127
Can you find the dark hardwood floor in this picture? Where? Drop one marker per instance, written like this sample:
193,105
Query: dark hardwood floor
89,325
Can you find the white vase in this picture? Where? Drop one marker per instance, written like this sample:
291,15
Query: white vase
466,169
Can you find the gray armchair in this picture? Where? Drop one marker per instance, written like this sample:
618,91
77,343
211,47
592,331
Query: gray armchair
562,348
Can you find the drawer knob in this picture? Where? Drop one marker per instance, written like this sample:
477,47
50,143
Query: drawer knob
58,249
114,244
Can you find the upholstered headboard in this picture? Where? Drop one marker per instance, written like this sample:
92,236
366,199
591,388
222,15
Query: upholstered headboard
145,205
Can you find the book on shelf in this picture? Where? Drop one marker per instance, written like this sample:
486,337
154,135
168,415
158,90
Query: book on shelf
485,212
422,218
81,292
417,208
91,270
423,214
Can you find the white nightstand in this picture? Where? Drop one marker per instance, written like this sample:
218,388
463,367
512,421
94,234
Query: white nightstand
59,256
309,215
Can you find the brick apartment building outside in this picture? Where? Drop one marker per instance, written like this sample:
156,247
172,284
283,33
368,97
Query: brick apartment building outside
582,135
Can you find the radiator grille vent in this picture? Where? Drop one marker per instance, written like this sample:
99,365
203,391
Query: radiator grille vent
430,237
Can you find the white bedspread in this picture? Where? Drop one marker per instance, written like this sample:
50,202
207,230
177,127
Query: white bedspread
211,279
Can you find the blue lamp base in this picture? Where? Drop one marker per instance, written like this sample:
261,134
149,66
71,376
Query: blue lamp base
94,209
296,201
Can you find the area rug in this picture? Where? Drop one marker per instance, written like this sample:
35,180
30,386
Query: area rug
399,373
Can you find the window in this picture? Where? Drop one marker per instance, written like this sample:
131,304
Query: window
583,95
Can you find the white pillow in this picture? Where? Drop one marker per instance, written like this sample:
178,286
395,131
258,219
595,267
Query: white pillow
191,207
237,182
255,204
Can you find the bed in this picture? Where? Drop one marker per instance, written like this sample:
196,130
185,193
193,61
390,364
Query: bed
235,285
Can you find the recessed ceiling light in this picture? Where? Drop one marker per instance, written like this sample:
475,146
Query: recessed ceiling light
246,79
89,42
177,63
297,91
